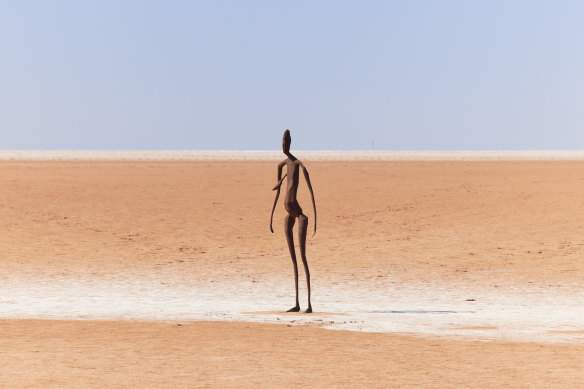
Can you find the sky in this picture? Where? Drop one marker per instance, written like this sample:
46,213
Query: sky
341,75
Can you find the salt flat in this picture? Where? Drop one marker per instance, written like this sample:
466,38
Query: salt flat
437,310
461,270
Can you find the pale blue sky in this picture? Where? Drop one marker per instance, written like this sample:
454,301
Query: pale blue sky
407,75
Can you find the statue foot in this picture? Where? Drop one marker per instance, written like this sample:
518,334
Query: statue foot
308,310
295,309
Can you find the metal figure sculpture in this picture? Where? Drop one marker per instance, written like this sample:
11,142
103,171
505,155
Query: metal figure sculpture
293,166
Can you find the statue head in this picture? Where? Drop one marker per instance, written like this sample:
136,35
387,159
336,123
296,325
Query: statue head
286,142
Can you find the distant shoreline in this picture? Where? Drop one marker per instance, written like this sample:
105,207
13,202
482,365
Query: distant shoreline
230,155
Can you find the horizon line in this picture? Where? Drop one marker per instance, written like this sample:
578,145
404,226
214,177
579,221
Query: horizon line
269,155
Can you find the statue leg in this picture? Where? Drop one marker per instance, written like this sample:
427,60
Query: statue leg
290,220
302,227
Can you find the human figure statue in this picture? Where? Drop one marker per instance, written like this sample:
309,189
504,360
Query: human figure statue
293,166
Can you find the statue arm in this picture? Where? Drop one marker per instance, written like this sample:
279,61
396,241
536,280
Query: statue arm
279,183
277,189
307,178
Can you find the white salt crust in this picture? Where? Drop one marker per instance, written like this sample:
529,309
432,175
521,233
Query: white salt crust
435,310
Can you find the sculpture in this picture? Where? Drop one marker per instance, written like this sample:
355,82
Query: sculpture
293,166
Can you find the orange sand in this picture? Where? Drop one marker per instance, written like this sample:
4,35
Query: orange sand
128,354
491,223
